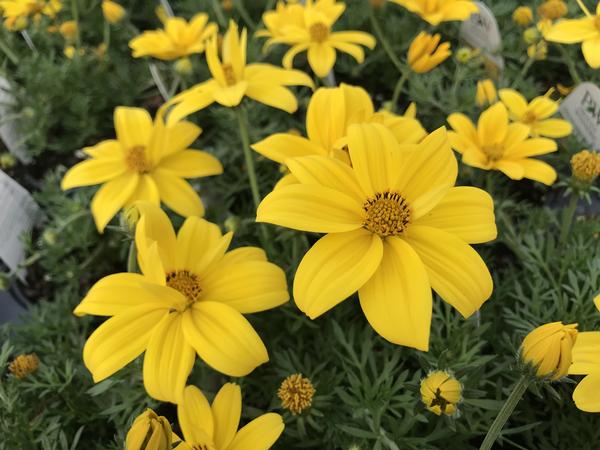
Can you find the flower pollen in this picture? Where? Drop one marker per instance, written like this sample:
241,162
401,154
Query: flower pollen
529,117
136,159
494,152
185,282
597,22
296,393
319,32
586,165
388,214
229,74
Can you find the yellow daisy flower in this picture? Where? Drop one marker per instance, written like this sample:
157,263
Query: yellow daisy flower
189,299
585,30
178,39
396,227
486,93
497,145
426,53
215,426
233,79
330,112
15,11
437,11
312,33
441,392
535,114
147,161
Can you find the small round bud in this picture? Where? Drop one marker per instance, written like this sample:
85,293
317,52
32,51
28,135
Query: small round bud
232,223
586,166
49,237
552,9
7,160
183,66
464,54
227,5
296,393
441,392
538,51
531,35
548,349
149,432
24,365
113,12
522,16
129,218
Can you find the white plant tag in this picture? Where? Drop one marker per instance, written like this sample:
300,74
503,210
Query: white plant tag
18,213
9,130
481,30
582,109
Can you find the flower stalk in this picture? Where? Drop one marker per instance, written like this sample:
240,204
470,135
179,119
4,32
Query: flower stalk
398,90
75,14
568,215
387,47
8,52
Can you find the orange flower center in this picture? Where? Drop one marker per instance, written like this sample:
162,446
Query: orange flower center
494,152
597,22
388,214
185,282
529,117
136,159
229,74
319,32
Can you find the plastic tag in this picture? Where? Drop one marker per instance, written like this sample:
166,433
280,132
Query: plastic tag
9,130
582,109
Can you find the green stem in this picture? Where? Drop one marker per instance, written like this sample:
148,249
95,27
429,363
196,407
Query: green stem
106,40
504,414
239,5
219,13
523,72
570,64
328,80
568,215
8,52
384,42
256,197
75,14
132,258
398,90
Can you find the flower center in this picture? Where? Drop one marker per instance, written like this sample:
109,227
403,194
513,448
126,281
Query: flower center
296,393
229,74
319,32
529,117
136,159
388,214
597,22
494,152
185,282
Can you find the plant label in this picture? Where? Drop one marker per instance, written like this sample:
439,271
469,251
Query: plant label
9,130
582,109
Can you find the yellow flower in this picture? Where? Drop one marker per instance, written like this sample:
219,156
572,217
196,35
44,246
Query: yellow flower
552,9
296,393
392,229
149,432
437,11
586,166
548,349
538,51
425,55
486,93
497,145
233,79
24,365
68,29
441,392
179,38
17,12
112,11
522,15
330,112
216,427
189,299
308,28
535,114
147,161
183,66
464,55
585,30
531,35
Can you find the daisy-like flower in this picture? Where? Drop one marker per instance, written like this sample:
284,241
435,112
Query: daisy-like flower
233,79
312,32
178,39
215,426
20,11
535,114
147,161
437,11
497,145
426,53
330,112
189,299
396,227
585,30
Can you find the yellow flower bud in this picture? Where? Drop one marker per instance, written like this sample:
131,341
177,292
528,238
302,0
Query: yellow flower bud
232,223
424,54
552,9
113,12
161,13
464,55
227,5
486,93
183,66
296,393
129,218
564,90
149,432
7,161
69,51
538,51
377,3
548,349
441,392
531,35
68,30
24,365
522,15
586,166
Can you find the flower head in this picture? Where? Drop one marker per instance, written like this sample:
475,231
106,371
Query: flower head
189,299
147,161
112,11
522,15
296,393
486,93
18,12
441,392
424,54
538,51
178,39
309,28
548,349
392,231
149,432
68,30
497,145
437,11
24,365
586,166
552,9
215,427
233,79
585,30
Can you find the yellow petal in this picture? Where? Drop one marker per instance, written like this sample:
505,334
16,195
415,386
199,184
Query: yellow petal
111,197
190,101
457,273
586,353
262,73
512,169
177,194
397,299
226,410
109,149
200,244
192,164
272,95
92,171
223,338
231,95
288,58
133,126
155,226
321,58
354,50
310,208
168,360
354,37
531,147
281,146
259,434
538,171
587,393
334,268
326,117
466,212
195,416
591,51
493,124
243,254
146,191
553,128
515,103
121,339
572,31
